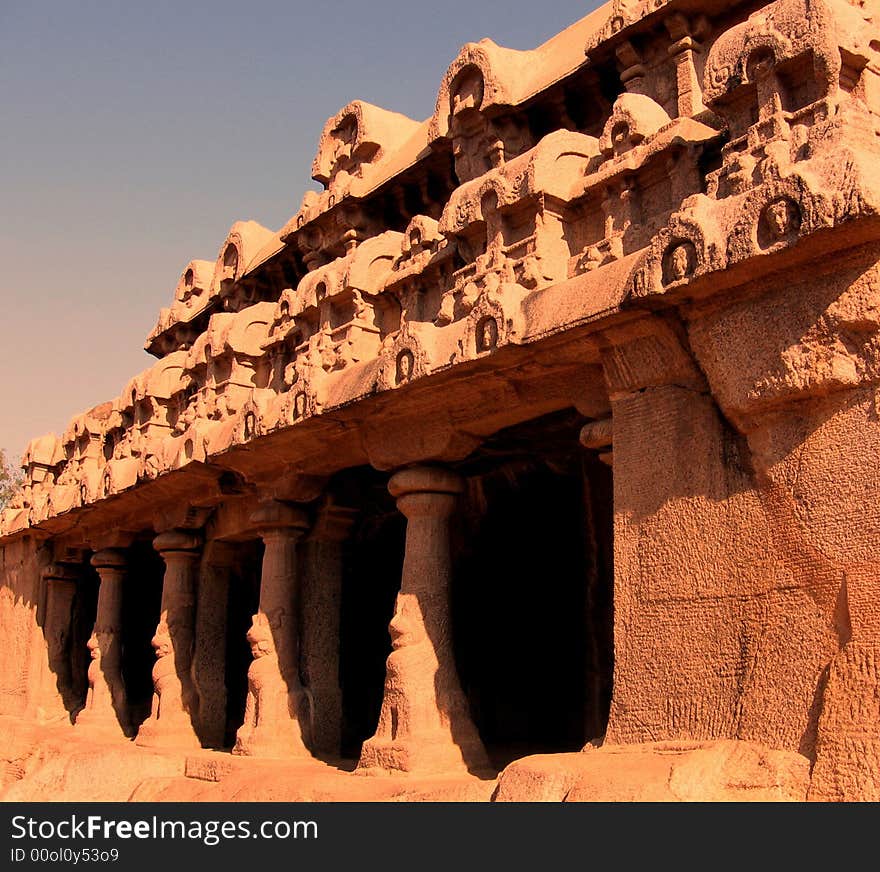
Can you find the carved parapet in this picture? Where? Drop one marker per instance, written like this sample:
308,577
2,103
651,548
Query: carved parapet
423,246
337,315
356,139
482,77
192,297
622,15
508,224
118,475
224,362
193,445
243,243
361,146
708,237
495,320
406,356
793,80
781,33
246,425
41,458
633,119
62,498
689,246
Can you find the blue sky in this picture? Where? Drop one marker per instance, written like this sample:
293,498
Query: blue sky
133,134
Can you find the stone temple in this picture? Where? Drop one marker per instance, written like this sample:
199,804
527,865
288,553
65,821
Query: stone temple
536,457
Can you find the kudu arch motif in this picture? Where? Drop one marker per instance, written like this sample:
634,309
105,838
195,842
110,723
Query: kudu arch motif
662,223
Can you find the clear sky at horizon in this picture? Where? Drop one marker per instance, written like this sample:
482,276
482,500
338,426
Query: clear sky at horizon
133,135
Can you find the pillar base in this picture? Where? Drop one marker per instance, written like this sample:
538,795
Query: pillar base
270,742
279,734
178,733
105,727
422,756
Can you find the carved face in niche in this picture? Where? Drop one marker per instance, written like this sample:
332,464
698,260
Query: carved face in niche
299,406
680,262
487,334
780,218
405,366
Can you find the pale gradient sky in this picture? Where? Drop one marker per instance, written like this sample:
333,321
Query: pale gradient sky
133,134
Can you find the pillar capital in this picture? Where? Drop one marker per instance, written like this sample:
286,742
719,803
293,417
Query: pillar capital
172,541
108,558
333,523
60,572
275,516
425,479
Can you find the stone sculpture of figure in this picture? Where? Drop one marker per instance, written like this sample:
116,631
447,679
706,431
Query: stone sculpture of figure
299,406
487,334
679,263
405,361
271,726
262,676
166,683
250,425
96,686
172,702
779,218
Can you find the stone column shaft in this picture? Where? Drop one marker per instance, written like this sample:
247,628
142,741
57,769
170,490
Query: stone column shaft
175,699
278,711
106,709
323,559
425,724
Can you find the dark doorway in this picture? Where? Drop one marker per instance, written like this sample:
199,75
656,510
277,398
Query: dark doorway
242,603
141,605
370,582
532,587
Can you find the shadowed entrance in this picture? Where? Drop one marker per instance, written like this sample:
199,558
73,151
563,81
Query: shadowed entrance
531,598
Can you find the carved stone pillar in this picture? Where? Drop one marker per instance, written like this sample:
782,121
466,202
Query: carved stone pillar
209,653
57,693
278,710
106,709
175,699
424,724
683,50
322,556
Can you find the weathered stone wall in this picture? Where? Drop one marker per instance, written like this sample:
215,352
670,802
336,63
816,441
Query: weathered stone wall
22,603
